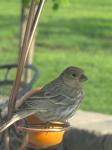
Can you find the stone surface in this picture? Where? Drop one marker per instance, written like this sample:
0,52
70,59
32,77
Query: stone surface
82,140
92,122
108,142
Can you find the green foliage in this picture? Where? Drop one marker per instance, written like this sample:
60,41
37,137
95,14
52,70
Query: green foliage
26,3
58,3
55,3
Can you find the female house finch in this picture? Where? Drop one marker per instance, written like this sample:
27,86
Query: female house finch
56,101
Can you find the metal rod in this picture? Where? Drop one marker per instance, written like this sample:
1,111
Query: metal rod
6,140
43,130
35,24
30,31
22,60
25,51
12,98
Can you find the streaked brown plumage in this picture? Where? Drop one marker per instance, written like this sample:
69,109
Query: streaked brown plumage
56,101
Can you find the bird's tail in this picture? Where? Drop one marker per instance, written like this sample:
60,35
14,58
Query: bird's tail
15,118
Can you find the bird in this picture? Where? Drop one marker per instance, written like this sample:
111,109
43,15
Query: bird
56,101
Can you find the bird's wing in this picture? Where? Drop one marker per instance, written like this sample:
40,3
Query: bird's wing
49,90
19,102
18,116
35,104
43,103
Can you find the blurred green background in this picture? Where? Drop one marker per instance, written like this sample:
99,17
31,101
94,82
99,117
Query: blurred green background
79,34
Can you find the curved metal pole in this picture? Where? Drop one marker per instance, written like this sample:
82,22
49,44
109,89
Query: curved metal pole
21,62
36,21
30,31
12,98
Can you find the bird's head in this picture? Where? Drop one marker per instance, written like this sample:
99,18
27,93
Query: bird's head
73,76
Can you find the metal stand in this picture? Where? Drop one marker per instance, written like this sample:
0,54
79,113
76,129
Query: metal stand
32,24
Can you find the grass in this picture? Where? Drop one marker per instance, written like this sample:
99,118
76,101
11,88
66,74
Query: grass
77,35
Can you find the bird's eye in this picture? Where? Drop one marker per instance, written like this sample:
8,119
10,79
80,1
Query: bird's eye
74,75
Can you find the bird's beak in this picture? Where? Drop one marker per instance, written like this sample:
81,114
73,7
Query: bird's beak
83,77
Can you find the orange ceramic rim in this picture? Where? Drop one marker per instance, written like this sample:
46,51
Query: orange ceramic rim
42,127
55,129
42,136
